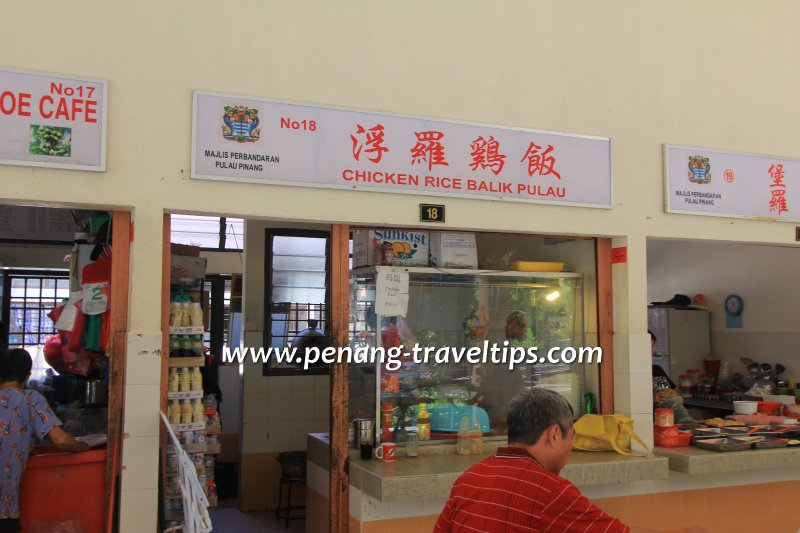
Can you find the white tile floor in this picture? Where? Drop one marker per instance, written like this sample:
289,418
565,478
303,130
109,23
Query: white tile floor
227,518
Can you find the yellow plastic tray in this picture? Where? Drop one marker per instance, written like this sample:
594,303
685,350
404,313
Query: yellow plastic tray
537,266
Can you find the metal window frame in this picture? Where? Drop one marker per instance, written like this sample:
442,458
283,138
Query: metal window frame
269,368
29,274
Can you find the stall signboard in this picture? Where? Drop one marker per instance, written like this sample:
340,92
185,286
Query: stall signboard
52,120
728,184
237,138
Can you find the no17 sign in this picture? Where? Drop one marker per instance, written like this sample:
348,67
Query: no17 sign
52,120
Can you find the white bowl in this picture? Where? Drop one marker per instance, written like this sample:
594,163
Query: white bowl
745,407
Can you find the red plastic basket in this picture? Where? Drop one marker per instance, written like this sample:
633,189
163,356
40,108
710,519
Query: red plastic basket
769,408
671,441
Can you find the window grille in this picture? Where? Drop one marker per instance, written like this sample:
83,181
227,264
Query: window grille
32,296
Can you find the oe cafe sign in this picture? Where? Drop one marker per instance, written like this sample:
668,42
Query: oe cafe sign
52,120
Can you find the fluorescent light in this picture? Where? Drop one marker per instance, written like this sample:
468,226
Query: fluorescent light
553,296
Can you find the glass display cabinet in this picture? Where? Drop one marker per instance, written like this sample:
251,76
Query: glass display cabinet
447,324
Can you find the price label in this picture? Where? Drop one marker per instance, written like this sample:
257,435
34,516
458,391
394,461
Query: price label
431,213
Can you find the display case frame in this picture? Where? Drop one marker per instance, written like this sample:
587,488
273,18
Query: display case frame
482,281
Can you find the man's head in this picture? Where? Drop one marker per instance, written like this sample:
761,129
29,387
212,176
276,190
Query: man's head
540,420
652,342
15,365
516,322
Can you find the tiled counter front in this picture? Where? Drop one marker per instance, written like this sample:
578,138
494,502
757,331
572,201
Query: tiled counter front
432,476
694,461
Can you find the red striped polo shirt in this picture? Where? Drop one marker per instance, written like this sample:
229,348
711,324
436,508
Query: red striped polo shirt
512,492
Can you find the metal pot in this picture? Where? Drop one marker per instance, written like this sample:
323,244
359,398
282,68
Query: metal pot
310,337
94,392
86,392
363,432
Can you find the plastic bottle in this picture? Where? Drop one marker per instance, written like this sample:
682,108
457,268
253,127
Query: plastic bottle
175,348
196,314
186,314
174,380
197,411
469,439
387,410
423,423
174,412
186,412
186,345
185,383
175,314
197,345
685,386
197,380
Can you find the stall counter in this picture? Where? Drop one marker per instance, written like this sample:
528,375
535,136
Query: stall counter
409,495
378,490
71,484
695,461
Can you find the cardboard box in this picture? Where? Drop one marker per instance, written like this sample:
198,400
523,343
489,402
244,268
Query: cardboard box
386,246
182,266
184,249
453,250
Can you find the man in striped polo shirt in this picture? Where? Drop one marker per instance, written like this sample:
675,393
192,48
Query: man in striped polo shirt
519,489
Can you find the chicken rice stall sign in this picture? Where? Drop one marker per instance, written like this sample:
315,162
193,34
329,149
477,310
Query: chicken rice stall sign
52,120
238,138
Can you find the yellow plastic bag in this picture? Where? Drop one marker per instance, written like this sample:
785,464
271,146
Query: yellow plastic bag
603,433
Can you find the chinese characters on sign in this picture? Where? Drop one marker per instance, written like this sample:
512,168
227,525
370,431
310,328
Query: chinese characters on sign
486,154
373,139
428,148
731,184
540,163
293,144
778,200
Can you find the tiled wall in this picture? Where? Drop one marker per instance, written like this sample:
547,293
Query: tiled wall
317,515
139,488
277,414
230,409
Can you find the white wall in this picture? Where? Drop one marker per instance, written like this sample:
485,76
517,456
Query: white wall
766,277
717,74
277,411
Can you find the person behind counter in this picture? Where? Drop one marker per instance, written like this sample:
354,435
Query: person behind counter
664,391
498,383
23,414
519,489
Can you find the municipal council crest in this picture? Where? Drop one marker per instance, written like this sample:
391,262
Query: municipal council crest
240,124
699,169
